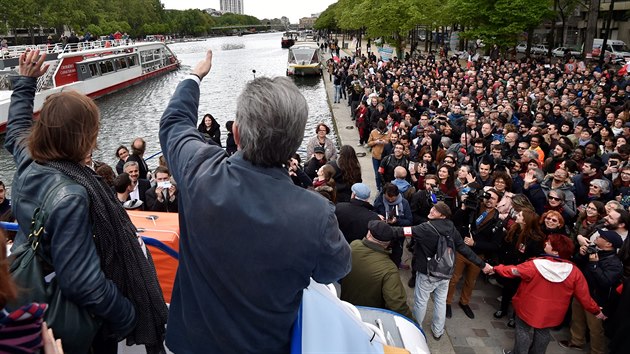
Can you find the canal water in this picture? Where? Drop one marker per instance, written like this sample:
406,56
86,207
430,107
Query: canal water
136,111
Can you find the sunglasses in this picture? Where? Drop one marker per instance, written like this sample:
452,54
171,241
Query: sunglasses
555,198
552,219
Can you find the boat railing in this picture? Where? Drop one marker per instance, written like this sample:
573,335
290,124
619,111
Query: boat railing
45,81
16,51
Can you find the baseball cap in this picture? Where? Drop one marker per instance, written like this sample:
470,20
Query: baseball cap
319,149
612,237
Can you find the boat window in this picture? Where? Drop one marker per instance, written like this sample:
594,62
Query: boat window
103,67
83,69
304,55
110,66
131,61
122,63
93,69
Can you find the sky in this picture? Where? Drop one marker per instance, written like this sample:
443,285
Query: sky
293,9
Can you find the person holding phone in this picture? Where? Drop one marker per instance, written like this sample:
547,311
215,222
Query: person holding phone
163,196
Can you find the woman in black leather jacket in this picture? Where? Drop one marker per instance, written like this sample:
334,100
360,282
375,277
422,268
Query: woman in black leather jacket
87,235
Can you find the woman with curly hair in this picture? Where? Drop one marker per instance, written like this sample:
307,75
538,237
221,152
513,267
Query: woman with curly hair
347,172
524,240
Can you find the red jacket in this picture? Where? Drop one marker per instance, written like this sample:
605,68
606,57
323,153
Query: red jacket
546,288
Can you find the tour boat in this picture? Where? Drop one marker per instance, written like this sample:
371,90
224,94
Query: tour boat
288,39
93,68
304,59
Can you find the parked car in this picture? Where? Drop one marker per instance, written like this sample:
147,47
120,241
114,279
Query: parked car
539,49
520,48
560,51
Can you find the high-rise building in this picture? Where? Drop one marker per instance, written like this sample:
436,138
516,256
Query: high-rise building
233,6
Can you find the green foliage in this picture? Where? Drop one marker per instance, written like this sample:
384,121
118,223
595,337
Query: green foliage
327,19
500,22
101,17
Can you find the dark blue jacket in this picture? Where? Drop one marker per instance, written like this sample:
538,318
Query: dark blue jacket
68,230
250,241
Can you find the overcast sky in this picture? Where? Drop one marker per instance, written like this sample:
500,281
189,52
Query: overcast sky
293,9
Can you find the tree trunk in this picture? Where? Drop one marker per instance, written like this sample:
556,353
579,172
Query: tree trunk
530,38
591,27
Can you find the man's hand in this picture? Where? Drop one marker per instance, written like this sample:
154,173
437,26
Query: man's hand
203,67
31,64
488,269
158,194
601,316
469,241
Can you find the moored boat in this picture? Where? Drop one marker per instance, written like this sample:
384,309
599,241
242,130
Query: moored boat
304,59
288,39
92,68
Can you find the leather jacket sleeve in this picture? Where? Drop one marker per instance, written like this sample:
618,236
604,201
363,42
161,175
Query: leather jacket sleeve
77,264
68,231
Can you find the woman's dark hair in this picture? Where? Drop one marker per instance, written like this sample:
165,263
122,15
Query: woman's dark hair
121,147
66,129
228,125
530,229
322,125
349,165
505,177
8,290
106,171
450,181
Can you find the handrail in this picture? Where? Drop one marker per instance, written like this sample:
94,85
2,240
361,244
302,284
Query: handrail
12,226
16,51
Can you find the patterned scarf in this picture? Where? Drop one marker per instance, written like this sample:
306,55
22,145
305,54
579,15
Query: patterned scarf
122,259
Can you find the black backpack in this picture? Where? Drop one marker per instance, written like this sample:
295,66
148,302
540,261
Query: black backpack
442,264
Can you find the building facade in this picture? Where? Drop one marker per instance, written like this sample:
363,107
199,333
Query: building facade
233,6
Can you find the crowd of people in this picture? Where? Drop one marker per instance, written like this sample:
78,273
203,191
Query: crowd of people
520,152
521,166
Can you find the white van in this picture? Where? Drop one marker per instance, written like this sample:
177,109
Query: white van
617,49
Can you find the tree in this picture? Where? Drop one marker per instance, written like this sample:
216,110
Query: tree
500,22
327,19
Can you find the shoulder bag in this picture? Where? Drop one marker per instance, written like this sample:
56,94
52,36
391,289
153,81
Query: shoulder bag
74,325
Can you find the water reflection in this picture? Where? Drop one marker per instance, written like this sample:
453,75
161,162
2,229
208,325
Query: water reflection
136,111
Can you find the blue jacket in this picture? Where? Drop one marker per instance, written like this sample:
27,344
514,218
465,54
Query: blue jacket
250,241
68,230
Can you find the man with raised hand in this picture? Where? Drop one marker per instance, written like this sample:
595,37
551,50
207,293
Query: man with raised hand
247,251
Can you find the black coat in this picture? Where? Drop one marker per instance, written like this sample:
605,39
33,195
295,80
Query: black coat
426,243
602,276
353,218
166,206
143,186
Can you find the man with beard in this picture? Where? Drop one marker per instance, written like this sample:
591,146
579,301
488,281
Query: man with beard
559,154
390,162
483,235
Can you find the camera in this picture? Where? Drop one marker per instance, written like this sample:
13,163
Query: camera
474,197
591,249
435,195
503,163
165,184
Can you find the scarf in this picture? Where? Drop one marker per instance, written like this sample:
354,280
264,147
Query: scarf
122,259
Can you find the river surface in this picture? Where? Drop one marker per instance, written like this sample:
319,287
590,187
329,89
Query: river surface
136,111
